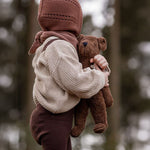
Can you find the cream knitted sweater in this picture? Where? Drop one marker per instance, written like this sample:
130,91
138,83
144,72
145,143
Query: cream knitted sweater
60,81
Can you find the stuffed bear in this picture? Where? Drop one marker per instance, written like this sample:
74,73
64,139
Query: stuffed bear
88,47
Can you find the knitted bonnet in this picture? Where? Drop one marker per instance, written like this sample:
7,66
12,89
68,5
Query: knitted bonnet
60,15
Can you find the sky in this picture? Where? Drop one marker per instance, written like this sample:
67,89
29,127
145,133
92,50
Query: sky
97,9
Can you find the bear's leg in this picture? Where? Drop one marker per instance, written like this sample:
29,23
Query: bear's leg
98,111
107,96
81,112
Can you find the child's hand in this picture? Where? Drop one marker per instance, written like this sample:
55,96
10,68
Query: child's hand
99,61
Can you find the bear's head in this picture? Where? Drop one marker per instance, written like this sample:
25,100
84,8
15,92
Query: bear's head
88,47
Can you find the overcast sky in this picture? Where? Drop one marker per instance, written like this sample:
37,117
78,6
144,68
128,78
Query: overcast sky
95,8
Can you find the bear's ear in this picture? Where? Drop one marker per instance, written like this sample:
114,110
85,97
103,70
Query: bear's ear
80,37
102,43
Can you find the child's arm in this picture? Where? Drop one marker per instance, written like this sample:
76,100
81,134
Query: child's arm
65,68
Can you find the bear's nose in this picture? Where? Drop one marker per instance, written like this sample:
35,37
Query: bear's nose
85,44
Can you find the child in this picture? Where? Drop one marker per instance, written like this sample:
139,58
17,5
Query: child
60,80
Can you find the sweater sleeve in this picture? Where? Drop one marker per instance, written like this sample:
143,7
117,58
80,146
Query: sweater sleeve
65,68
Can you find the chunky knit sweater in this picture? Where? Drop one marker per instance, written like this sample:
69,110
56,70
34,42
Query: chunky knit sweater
60,80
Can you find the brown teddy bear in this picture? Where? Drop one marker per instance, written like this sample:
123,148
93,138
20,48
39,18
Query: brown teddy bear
88,47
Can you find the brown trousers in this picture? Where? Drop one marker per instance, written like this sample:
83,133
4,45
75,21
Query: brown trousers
52,131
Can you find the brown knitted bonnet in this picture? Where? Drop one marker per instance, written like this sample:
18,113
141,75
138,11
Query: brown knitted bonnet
60,15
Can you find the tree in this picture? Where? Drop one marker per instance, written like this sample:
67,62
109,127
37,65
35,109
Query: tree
114,54
33,28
